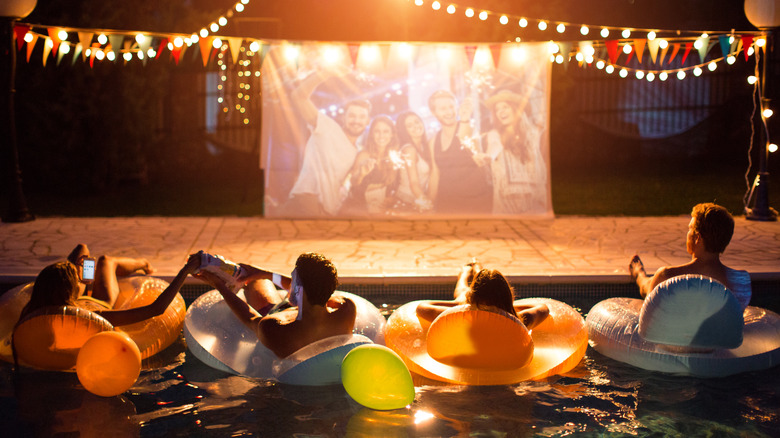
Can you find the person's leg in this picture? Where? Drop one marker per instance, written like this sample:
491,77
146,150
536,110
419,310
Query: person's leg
465,278
106,286
79,252
262,295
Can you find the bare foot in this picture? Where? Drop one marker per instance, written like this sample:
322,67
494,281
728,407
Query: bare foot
635,267
79,253
471,270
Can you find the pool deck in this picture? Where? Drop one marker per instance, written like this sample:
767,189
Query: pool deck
567,249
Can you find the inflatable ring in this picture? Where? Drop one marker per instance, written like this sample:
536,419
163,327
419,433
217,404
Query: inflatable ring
555,346
151,336
216,337
688,325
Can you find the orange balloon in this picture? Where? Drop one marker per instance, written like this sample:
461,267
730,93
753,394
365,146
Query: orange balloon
108,364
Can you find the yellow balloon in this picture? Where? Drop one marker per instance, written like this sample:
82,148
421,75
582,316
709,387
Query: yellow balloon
108,364
377,378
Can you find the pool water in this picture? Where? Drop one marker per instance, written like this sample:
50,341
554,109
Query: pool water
177,395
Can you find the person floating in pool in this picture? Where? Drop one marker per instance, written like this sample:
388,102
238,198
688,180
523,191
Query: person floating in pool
709,232
60,284
484,288
310,313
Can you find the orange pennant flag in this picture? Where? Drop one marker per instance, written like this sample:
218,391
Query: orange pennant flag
235,47
54,34
495,50
353,52
652,46
639,48
95,47
470,50
205,49
675,49
85,38
31,46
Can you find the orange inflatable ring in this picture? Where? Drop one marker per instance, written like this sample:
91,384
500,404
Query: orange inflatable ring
470,346
64,329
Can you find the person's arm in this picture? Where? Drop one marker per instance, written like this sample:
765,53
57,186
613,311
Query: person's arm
255,273
240,308
429,310
531,316
302,94
137,314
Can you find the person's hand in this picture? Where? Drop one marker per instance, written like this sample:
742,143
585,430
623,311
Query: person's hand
480,159
210,278
193,262
251,272
466,110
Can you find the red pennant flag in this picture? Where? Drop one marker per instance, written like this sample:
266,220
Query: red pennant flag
470,50
163,46
353,52
495,50
176,53
639,48
95,47
687,51
675,49
20,30
630,55
612,50
747,40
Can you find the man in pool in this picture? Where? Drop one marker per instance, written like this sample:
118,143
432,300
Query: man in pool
310,313
709,232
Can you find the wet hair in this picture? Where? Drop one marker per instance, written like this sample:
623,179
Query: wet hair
714,224
439,94
56,285
491,288
363,103
318,277
403,135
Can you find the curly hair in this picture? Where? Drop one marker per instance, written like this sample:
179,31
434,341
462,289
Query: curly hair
714,224
318,277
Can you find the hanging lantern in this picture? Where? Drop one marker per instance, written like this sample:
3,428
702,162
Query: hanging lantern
763,14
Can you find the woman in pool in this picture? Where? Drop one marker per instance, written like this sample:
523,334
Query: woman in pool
413,183
519,171
60,285
374,176
485,289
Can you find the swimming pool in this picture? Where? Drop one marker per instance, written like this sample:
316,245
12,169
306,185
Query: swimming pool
179,396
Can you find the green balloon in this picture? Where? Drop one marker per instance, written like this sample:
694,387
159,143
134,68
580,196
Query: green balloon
377,378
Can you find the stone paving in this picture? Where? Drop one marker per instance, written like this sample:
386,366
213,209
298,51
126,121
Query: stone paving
563,249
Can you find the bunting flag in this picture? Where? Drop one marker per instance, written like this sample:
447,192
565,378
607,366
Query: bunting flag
92,52
566,52
205,45
664,51
176,53
639,48
470,51
495,50
652,46
54,36
144,45
725,47
353,53
384,50
704,47
612,50
126,48
85,39
675,49
163,45
688,47
78,51
630,55
60,54
31,46
747,40
115,41
47,46
20,30
235,48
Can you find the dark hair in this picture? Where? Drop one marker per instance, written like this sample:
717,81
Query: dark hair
385,171
490,288
318,277
714,224
403,135
56,285
363,103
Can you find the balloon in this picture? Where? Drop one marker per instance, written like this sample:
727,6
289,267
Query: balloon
376,377
108,364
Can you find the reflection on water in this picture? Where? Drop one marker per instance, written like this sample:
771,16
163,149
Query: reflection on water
180,396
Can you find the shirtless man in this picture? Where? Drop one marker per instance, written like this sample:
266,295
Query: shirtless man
315,313
709,232
329,152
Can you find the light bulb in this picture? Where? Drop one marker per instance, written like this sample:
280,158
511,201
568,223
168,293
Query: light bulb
772,147
697,71
663,44
62,35
483,15
680,75
767,113
663,75
604,32
469,12
731,60
522,22
712,66
451,9
640,74
651,35
435,6
503,19
584,30
610,69
623,73
650,76
561,28
752,79
626,33
542,25
627,49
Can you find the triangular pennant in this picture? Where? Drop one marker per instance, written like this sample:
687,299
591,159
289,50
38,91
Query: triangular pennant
20,30
205,48
176,53
31,46
85,38
235,48
163,45
78,50
384,50
470,50
495,50
639,48
353,52
662,55
747,41
704,47
612,50
144,45
54,35
115,40
675,49
565,51
126,48
725,47
95,47
213,55
264,48
47,46
652,46
688,47
60,54
630,55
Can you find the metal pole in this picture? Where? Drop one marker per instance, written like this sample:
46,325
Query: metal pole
17,206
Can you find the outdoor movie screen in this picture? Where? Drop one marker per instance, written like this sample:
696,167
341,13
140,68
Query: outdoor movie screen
406,130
